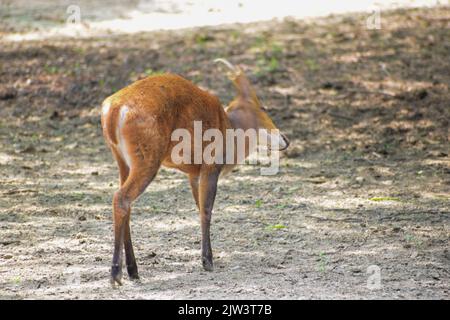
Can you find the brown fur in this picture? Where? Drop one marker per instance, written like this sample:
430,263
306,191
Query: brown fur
157,106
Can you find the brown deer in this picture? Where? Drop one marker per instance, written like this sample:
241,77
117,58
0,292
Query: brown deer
138,122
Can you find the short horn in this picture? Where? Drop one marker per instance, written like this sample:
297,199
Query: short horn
228,64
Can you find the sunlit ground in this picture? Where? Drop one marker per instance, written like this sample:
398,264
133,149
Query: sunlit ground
365,182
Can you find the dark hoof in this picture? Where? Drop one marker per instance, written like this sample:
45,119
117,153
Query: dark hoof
116,276
133,272
207,264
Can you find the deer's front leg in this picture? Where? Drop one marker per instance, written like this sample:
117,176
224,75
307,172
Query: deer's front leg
207,193
121,212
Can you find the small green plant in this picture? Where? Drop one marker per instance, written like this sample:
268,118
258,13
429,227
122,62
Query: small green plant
276,50
269,55
258,203
323,261
202,39
281,206
277,226
16,280
387,147
75,69
35,138
267,66
273,64
79,50
235,34
414,241
259,42
51,69
312,64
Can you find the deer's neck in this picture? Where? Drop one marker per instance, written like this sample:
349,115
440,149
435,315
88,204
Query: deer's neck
240,119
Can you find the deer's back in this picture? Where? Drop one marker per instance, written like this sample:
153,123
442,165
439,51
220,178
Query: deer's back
156,106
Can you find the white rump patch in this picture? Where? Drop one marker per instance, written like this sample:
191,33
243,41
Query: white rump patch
122,143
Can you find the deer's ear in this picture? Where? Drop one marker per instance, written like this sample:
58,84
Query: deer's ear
240,81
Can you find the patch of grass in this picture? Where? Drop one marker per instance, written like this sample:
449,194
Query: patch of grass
79,50
414,241
235,34
379,199
276,49
281,206
269,56
76,196
34,138
277,226
16,280
267,66
312,65
150,72
387,147
202,39
51,69
75,69
293,190
258,203
273,64
259,42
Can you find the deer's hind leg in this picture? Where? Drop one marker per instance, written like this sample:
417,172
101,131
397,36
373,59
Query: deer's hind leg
130,259
140,149
134,180
136,183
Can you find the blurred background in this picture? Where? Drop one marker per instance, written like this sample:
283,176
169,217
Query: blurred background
132,16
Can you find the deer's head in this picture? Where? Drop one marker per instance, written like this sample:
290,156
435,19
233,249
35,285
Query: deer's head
246,110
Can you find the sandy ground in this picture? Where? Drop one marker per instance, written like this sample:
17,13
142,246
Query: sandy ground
365,183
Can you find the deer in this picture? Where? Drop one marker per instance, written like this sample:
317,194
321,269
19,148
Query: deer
137,122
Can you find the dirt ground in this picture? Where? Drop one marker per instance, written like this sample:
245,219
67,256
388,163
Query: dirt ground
366,181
